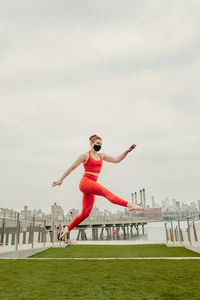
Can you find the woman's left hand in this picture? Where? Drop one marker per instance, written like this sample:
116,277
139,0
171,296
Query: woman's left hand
131,148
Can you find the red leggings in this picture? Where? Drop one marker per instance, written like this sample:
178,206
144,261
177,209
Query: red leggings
90,187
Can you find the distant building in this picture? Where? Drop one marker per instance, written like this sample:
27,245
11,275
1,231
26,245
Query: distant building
56,210
166,202
73,212
26,210
152,214
174,203
96,212
154,204
184,207
38,213
193,206
177,205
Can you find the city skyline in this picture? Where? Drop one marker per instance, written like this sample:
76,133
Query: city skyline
58,210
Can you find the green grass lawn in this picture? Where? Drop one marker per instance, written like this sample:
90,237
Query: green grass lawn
102,280
117,251
99,280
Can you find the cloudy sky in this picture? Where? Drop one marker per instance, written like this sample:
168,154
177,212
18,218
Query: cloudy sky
125,70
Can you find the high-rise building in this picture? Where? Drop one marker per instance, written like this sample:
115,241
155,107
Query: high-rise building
166,202
177,203
56,210
174,203
193,206
154,204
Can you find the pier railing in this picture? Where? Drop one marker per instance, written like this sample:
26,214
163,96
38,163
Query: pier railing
184,231
20,228
16,231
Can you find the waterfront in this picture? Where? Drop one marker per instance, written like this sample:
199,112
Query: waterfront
154,232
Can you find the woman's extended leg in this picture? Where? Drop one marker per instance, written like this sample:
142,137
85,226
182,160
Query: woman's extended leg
93,187
87,205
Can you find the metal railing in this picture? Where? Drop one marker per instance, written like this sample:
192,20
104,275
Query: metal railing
17,228
16,231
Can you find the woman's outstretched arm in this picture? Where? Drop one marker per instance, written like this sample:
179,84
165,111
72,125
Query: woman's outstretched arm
77,162
117,159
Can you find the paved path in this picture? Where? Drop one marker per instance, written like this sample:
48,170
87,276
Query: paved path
11,248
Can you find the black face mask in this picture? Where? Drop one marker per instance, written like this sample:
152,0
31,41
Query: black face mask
97,147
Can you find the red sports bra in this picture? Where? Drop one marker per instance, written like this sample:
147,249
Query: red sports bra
93,165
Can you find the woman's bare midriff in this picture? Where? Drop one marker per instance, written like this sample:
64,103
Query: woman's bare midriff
96,174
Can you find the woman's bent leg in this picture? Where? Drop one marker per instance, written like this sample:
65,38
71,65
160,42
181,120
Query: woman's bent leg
97,189
87,205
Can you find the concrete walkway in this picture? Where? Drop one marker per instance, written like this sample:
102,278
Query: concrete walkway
116,242
25,250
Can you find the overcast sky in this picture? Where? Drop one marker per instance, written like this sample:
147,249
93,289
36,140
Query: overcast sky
125,70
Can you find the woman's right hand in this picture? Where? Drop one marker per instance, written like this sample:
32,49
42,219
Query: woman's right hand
59,182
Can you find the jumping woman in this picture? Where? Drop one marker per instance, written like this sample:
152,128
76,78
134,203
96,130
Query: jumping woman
92,162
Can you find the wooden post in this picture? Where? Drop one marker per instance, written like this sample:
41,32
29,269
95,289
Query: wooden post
101,234
97,234
24,237
171,236
68,236
167,237
180,233
30,231
13,239
172,233
78,236
128,231
118,229
7,239
195,233
124,231
44,233
39,233
107,233
189,236
82,234
3,231
176,232
17,233
53,232
142,228
137,228
33,227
